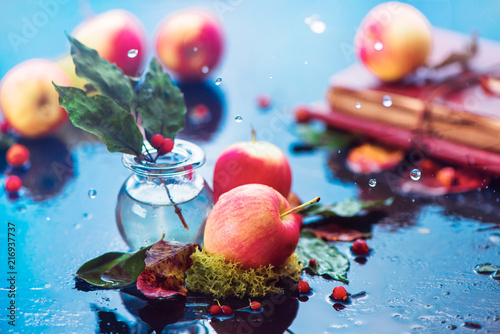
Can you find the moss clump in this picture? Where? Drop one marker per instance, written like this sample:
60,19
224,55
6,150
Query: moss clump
212,274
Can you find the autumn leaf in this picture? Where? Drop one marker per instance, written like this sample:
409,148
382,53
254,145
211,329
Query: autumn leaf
334,232
166,263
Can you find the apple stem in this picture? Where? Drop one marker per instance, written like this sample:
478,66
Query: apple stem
253,135
300,207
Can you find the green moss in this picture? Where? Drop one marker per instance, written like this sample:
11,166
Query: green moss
212,274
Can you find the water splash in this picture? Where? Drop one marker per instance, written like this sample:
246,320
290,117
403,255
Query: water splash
132,53
415,175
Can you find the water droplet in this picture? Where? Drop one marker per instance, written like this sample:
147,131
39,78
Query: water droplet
413,200
308,20
378,46
92,193
195,49
270,77
132,53
77,226
386,101
415,174
46,286
87,215
48,218
218,81
205,69
21,209
372,183
358,105
305,62
317,26
238,119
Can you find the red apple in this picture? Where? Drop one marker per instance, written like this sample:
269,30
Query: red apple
190,43
393,40
246,227
118,36
252,162
28,99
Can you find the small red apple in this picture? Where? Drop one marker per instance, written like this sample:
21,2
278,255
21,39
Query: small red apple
253,225
393,40
252,162
118,36
190,43
29,100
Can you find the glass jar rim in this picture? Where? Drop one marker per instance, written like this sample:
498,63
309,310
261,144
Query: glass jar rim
184,158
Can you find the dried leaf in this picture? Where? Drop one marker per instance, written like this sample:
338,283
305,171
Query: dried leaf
371,158
334,232
166,263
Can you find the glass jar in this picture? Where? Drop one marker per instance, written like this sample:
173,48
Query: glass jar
164,197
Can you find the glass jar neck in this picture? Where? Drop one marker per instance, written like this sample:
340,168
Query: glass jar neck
184,158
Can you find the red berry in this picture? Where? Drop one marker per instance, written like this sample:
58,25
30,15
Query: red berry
339,293
157,140
255,305
215,309
302,115
303,287
226,310
166,146
4,127
200,111
264,101
17,155
313,264
360,247
13,184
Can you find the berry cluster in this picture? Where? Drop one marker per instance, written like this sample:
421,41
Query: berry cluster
225,310
163,145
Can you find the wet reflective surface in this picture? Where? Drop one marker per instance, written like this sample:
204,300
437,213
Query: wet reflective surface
419,276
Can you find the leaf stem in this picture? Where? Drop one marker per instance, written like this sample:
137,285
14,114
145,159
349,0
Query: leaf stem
300,207
178,210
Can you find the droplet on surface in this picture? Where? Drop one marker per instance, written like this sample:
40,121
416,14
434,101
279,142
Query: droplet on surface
238,119
205,69
132,53
218,81
378,46
92,193
87,215
358,105
305,62
415,174
386,101
317,26
372,183
21,209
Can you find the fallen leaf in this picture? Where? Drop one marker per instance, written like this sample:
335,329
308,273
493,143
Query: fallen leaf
330,261
166,263
348,208
370,158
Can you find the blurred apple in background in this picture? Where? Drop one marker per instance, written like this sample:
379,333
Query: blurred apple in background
252,162
118,36
29,101
393,40
190,43
249,225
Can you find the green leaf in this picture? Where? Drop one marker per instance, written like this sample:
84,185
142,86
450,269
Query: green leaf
328,138
348,208
113,270
161,103
6,141
99,115
106,77
330,261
